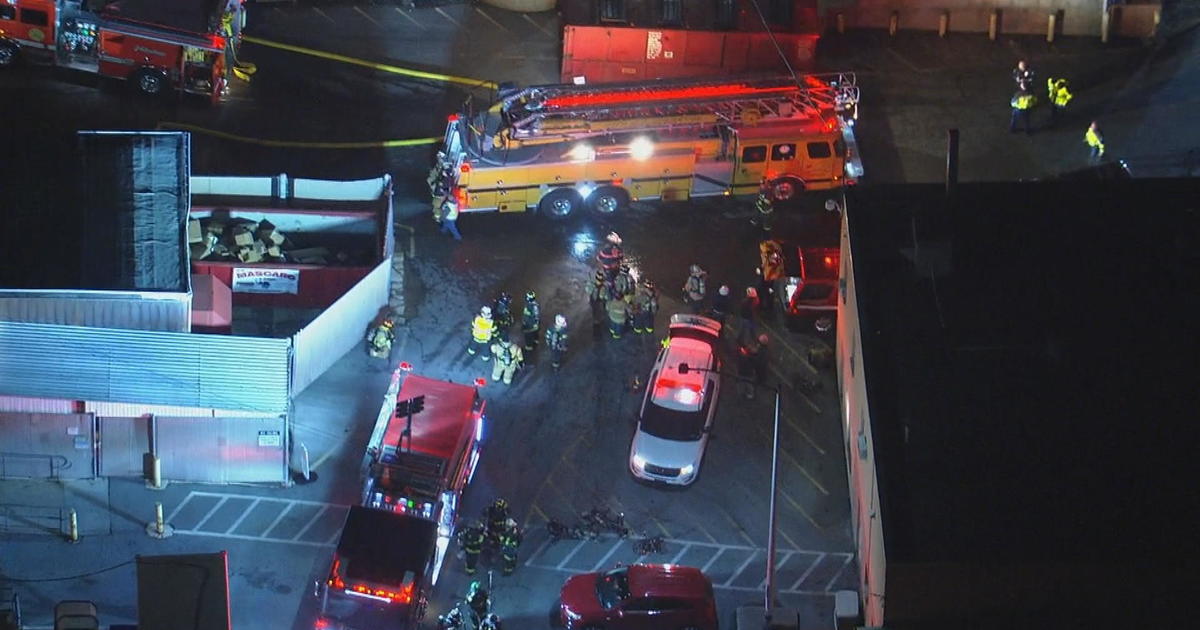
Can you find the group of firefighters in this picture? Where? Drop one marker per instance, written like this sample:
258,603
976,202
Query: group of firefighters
491,336
1058,95
498,530
617,296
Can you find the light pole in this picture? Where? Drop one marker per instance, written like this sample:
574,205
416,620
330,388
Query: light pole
769,596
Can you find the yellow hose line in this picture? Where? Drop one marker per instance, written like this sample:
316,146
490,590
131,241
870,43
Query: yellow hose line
290,144
371,64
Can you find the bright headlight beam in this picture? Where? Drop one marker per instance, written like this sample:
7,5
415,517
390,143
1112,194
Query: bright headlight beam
641,148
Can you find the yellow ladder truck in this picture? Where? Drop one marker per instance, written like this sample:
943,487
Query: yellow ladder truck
558,147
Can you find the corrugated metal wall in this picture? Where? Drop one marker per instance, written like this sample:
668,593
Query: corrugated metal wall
208,371
134,410
223,450
341,327
36,405
101,309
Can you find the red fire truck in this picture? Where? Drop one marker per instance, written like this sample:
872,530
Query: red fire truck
420,459
190,45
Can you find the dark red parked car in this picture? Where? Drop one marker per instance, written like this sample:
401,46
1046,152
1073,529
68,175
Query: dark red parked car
640,597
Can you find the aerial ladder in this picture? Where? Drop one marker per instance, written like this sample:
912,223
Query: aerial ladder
550,114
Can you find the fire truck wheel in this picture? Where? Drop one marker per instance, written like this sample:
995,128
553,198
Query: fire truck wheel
8,54
786,188
150,81
608,200
560,203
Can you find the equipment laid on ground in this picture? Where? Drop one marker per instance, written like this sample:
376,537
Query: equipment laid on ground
558,147
420,459
189,45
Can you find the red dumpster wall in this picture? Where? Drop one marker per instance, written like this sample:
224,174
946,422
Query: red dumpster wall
610,54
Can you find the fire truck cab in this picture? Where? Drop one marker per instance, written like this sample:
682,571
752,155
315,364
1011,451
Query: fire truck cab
189,45
421,457
560,147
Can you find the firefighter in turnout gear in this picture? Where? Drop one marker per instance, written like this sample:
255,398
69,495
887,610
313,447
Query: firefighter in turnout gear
502,311
531,317
556,340
694,289
497,516
1060,95
471,539
510,541
764,209
645,307
624,285
610,255
618,316
597,295
1022,107
508,359
379,340
482,331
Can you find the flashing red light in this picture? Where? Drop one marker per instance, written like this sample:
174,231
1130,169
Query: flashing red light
465,168
829,261
321,623
452,118
335,580
406,366
218,42
480,382
403,596
618,182
691,93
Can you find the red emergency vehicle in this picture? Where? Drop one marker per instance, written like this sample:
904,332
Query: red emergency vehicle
417,467
188,45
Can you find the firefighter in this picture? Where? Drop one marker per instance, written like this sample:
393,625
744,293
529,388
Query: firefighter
1060,95
449,216
502,311
508,360
1095,139
645,307
1023,76
694,290
381,337
510,541
748,314
483,328
623,285
770,255
618,316
722,304
470,539
437,175
556,340
611,255
597,295
763,210
479,600
1022,103
753,362
531,317
496,515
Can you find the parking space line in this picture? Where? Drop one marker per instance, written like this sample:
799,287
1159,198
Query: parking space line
273,500
783,342
807,572
541,513
578,546
804,435
661,527
742,567
369,18
324,15
246,512
334,538
211,512
792,460
799,508
787,555
310,522
536,25
542,487
275,522
789,540
410,18
447,16
538,553
175,512
738,527
838,573
679,555
491,19
256,538
611,551
712,560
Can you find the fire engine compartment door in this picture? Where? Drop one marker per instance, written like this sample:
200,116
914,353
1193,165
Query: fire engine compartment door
751,166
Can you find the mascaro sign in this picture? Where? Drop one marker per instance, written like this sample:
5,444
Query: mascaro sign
266,280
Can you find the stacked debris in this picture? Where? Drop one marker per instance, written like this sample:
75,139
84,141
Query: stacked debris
229,239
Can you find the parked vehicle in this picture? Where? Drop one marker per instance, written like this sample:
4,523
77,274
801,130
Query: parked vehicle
639,597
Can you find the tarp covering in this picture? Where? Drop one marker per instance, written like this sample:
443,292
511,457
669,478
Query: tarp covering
136,201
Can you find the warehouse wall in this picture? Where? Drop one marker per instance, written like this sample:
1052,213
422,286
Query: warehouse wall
1075,17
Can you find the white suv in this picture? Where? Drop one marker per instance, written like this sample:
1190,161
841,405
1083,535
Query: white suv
680,403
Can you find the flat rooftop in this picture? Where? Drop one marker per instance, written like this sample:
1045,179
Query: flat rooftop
1031,359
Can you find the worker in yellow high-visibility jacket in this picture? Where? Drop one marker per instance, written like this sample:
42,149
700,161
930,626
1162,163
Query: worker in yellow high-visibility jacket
1095,139
1022,103
1060,95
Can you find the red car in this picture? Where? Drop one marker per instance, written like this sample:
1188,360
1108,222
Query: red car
640,597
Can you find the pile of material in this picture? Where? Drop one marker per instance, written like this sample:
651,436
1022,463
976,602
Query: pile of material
218,239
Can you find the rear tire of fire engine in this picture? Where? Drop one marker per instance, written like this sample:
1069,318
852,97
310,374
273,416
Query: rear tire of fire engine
150,81
608,200
8,54
786,188
559,204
